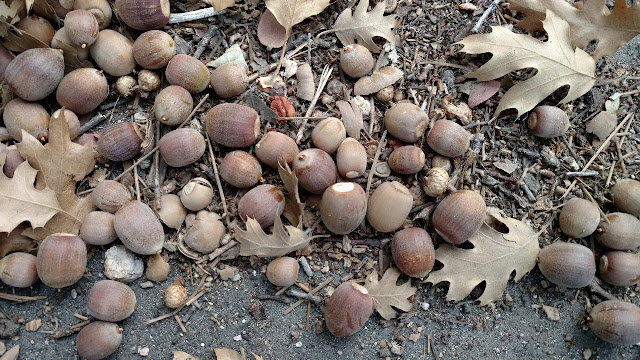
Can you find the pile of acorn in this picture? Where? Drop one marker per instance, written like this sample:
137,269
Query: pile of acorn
35,74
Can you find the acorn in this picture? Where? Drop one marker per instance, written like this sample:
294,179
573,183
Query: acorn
329,134
315,170
182,147
127,85
626,196
82,27
548,121
31,117
620,268
98,340
351,159
61,41
97,228
343,207
120,142
18,270
148,80
233,125
175,294
188,72
617,322
172,212
275,145
283,271
459,216
436,182
157,268
37,27
229,80
100,9
71,118
262,203
348,309
87,138
356,60
205,234
11,161
153,49
144,14
407,160
240,169
579,218
448,138
61,260
620,233
196,194
113,53
35,73
406,122
389,205
173,105
110,196
413,252
82,90
138,228
566,264
110,300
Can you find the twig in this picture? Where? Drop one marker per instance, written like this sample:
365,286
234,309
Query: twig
274,297
588,173
303,295
595,288
492,7
221,250
184,330
111,105
220,190
326,73
291,45
202,45
91,123
20,299
66,331
305,266
193,15
312,292
375,161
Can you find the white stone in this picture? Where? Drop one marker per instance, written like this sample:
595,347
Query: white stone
120,264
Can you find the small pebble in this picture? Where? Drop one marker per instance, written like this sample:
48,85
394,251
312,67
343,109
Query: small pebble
146,285
424,306
299,344
143,351
74,293
120,264
237,338
586,354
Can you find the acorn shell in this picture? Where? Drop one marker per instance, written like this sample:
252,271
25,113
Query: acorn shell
413,252
188,72
153,49
82,90
229,80
113,53
459,216
196,194
110,195
173,105
343,207
31,117
18,270
139,229
329,134
240,169
620,268
626,196
448,138
35,73
389,205
97,228
110,300
275,145
567,264
205,233
182,147
315,170
98,340
617,322
144,14
407,160
406,122
61,260
579,218
233,125
548,121
283,271
347,309
172,213
620,233
356,60
262,203
351,159
119,142
100,9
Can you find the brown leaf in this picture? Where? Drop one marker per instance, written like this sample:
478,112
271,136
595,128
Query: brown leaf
494,257
602,125
181,355
558,64
291,12
227,354
611,29
351,117
270,32
9,14
361,26
254,241
21,201
386,293
380,79
15,241
220,5
293,206
62,163
482,91
11,354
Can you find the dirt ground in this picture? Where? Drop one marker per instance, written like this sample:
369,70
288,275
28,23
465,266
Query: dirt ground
241,315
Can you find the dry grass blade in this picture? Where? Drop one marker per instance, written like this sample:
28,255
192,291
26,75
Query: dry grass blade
20,299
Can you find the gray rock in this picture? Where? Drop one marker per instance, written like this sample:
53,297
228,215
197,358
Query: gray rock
120,264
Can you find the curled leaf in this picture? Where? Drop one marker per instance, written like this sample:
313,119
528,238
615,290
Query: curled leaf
270,32
351,117
380,79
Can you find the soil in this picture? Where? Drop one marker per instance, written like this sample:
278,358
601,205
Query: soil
245,314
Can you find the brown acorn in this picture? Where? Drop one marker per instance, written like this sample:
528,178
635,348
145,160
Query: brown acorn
61,260
18,270
31,117
120,142
315,170
263,203
548,121
182,147
448,138
283,271
616,321
413,252
153,49
100,9
620,268
351,159
144,14
348,309
620,232
329,134
35,73
343,207
188,72
406,122
626,196
113,53
157,268
407,160
5,58
82,90
173,105
196,194
98,340
97,228
356,60
567,264
240,169
72,120
138,228
233,125
459,216
110,196
11,161
82,27
205,234
579,218
389,205
111,300
274,146
172,213
37,27
229,80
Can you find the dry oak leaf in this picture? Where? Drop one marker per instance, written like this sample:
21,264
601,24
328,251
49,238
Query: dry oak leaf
594,21
557,62
61,163
254,241
293,206
21,201
292,12
386,293
270,32
227,354
494,257
362,26
181,355
219,5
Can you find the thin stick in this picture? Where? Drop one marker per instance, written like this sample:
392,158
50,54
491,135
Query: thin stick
312,292
20,299
303,295
193,15
221,250
202,45
220,190
595,288
91,123
492,7
375,162
326,72
137,182
184,330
